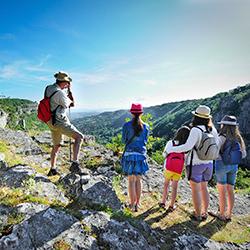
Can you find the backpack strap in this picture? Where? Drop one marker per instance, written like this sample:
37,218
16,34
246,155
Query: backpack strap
128,142
54,111
191,165
192,157
201,132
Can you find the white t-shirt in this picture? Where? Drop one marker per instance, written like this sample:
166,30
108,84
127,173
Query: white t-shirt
193,140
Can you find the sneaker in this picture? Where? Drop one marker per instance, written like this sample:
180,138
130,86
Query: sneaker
171,208
161,205
136,207
195,217
75,168
53,171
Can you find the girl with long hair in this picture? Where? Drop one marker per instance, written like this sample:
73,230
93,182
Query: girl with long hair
134,163
226,172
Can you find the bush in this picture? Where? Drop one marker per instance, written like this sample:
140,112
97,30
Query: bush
243,179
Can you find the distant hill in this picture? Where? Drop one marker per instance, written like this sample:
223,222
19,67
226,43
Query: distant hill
78,115
21,114
168,117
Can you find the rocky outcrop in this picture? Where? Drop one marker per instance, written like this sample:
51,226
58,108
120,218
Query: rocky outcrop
114,234
197,242
31,235
3,119
20,142
26,178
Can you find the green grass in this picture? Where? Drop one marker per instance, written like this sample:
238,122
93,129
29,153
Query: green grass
11,158
13,197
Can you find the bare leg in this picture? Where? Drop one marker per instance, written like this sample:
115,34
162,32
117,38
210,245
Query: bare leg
165,191
230,191
196,196
204,197
77,144
174,192
138,188
222,198
131,189
53,155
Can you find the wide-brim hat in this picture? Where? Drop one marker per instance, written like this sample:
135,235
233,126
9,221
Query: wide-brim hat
136,108
229,120
202,111
62,76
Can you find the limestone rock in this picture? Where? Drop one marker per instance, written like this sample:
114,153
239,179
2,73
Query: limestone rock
31,182
20,142
116,235
197,242
100,193
37,230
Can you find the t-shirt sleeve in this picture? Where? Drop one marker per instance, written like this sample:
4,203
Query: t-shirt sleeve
61,99
164,153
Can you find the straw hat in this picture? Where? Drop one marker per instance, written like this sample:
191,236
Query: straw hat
62,76
229,120
202,111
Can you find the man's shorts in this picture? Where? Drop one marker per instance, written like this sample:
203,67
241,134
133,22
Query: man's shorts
201,172
169,175
58,130
225,174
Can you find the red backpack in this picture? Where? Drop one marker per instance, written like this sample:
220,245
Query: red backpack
44,112
175,162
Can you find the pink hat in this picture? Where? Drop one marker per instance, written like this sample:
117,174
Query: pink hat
136,108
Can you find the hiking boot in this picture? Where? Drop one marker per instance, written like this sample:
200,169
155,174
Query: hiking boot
53,171
75,168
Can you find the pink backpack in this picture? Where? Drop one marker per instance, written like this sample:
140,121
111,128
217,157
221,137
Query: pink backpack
175,162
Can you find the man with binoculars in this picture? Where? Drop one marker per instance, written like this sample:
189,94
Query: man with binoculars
60,124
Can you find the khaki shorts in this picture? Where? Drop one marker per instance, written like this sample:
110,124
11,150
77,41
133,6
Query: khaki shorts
58,130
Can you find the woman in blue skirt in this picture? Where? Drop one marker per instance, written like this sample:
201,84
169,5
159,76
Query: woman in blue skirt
134,160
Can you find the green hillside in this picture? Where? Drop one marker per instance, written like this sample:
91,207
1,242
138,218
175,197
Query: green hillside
19,110
166,117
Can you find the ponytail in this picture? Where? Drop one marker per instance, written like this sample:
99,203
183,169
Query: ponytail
137,124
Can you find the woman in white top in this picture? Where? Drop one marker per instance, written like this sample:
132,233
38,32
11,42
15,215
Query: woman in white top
200,171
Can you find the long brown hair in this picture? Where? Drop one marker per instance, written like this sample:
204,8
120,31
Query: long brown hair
137,124
207,122
232,132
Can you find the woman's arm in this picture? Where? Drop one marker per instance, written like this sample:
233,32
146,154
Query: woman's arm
164,153
194,136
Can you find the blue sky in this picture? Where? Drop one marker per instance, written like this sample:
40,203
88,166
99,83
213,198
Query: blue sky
118,52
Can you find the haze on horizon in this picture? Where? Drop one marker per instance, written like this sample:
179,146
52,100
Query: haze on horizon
119,52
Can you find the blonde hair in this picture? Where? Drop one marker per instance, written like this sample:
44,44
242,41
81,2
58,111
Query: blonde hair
232,132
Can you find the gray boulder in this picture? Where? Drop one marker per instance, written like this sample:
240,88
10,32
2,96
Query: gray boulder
37,230
97,192
20,142
72,183
197,242
30,182
114,234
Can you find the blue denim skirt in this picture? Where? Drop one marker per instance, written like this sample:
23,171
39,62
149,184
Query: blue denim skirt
134,164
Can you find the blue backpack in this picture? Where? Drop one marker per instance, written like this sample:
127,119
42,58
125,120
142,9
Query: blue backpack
231,153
